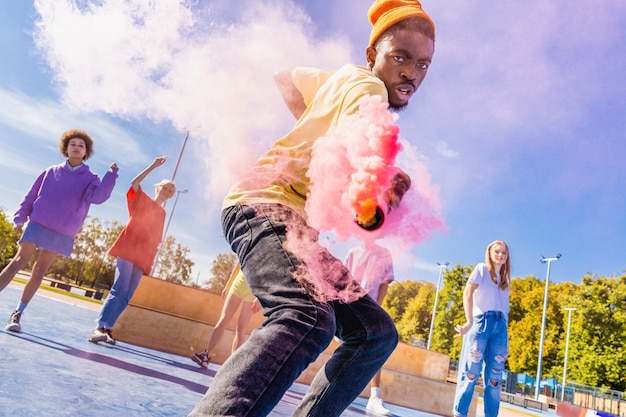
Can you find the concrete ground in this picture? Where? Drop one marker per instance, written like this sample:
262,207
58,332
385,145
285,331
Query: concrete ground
49,369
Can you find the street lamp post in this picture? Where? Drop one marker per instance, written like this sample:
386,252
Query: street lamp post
180,154
432,321
156,259
569,320
543,260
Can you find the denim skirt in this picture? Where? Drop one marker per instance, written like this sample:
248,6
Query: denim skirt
48,239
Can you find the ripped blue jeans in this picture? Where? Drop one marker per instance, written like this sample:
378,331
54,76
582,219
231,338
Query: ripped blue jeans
486,343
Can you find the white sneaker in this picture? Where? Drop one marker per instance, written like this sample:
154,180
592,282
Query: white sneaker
13,325
98,335
375,405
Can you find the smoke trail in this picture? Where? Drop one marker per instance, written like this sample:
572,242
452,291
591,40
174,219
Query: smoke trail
354,164
177,61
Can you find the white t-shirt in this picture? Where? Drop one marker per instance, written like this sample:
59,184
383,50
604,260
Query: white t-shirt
488,297
370,267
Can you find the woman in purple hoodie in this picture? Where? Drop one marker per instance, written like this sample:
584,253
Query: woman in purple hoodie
54,209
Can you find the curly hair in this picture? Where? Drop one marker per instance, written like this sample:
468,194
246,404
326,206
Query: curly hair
76,134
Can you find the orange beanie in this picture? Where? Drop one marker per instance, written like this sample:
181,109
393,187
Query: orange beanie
385,13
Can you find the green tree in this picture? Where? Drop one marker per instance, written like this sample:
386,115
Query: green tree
173,263
414,325
525,319
564,295
103,264
399,297
597,354
8,239
525,324
450,311
89,264
222,267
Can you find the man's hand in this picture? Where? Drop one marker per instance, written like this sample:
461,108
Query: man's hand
400,184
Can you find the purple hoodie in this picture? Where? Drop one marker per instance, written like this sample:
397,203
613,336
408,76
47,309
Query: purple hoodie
60,197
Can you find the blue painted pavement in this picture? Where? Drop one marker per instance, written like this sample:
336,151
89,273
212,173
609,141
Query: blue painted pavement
49,369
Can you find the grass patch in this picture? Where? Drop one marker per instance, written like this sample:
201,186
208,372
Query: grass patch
61,291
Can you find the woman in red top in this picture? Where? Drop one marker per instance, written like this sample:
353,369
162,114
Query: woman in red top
135,248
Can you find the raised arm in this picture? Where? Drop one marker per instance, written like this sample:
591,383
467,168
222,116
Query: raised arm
136,182
290,94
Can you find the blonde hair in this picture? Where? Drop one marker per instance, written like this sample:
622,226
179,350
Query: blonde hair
162,183
505,270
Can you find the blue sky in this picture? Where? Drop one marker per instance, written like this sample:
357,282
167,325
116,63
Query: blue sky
520,121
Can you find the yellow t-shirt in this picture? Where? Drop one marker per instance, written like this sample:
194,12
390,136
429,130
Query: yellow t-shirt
279,176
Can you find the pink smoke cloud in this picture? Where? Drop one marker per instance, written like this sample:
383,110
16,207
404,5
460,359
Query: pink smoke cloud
354,164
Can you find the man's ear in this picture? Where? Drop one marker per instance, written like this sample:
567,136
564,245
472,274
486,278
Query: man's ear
370,55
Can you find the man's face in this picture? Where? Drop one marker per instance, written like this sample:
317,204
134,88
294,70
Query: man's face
401,61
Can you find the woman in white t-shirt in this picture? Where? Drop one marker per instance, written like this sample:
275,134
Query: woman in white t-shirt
485,332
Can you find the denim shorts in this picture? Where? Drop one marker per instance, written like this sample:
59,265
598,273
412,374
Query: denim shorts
48,239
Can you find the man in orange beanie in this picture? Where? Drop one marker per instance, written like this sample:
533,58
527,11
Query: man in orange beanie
304,314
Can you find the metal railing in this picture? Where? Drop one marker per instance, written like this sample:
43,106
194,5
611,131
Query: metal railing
606,401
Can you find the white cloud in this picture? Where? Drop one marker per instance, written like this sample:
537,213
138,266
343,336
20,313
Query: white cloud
165,61
444,150
520,67
45,120
512,87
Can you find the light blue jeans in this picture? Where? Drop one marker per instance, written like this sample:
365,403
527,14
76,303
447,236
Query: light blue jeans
297,329
127,277
485,343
